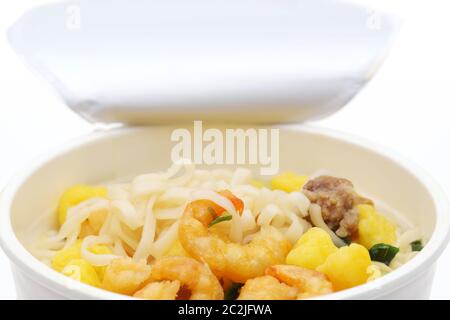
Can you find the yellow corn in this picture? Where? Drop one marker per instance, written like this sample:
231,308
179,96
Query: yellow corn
75,195
289,182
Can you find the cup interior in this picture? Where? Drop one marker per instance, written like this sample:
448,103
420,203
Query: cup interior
124,153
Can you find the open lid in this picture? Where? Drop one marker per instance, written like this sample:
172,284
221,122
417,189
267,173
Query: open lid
159,61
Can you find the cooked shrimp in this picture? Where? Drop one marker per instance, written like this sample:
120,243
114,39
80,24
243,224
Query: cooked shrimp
193,275
310,283
283,282
126,276
229,260
162,290
267,288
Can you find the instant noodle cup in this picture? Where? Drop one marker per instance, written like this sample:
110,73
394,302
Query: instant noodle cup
21,203
219,80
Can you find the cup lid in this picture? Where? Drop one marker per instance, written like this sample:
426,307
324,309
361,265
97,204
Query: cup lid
160,61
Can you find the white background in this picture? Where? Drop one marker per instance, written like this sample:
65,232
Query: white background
406,107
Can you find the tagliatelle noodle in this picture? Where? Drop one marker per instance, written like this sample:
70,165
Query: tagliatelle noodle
126,213
315,212
148,233
78,214
98,260
165,240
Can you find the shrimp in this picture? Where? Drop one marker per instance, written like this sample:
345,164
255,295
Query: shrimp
195,276
283,282
267,288
229,260
126,276
162,290
310,283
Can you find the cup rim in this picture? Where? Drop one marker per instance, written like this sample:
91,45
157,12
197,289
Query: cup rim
66,287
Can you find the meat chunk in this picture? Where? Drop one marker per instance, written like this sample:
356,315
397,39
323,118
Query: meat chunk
338,201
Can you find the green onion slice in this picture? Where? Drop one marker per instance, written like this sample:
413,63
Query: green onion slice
417,245
233,291
383,253
225,217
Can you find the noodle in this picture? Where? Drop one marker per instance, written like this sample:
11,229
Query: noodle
98,260
169,213
317,220
269,215
119,249
165,241
296,228
126,213
148,234
76,216
216,198
404,241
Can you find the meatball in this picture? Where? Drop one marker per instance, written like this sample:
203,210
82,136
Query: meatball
338,201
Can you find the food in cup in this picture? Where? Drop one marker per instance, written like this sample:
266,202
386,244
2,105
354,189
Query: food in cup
214,234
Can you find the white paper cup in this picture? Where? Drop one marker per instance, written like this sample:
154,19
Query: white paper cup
109,155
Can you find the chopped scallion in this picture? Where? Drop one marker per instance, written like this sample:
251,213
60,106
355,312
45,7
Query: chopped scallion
383,253
233,291
225,217
417,245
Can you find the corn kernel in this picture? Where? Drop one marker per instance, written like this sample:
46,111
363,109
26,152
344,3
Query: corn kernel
83,271
75,195
312,249
289,182
347,267
65,256
373,228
